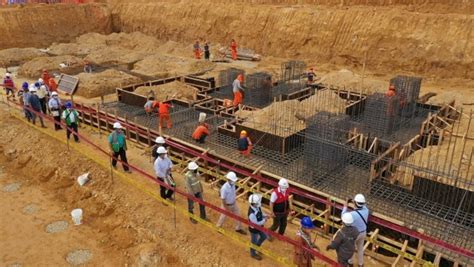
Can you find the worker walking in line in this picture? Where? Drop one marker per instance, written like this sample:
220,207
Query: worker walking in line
118,147
344,241
244,144
256,216
238,90
45,76
25,95
303,258
229,203
54,105
159,141
163,167
197,50
35,106
71,117
361,217
207,52
43,97
233,49
151,106
53,86
194,188
9,86
280,205
164,110
201,132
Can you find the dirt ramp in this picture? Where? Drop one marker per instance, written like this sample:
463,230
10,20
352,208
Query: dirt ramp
41,25
103,83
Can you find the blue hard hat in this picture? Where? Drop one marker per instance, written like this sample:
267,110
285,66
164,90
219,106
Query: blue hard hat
37,84
68,104
24,85
306,222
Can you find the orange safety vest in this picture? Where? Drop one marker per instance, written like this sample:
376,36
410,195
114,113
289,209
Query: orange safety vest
164,108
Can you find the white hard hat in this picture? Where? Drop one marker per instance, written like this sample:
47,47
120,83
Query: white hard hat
40,80
347,218
192,166
42,87
8,75
160,140
359,199
33,89
117,125
283,183
54,93
161,150
254,199
231,176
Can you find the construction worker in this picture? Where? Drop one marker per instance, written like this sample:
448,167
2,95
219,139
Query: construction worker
233,49
43,98
280,205
163,167
45,76
9,85
310,76
35,106
303,258
201,132
256,216
229,203
54,105
151,105
361,217
25,98
159,141
87,66
244,144
118,147
197,50
344,241
71,117
207,52
391,91
194,187
53,86
164,110
238,90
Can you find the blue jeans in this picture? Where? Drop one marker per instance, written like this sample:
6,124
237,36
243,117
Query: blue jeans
257,239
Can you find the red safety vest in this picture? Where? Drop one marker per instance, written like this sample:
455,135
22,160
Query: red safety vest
281,204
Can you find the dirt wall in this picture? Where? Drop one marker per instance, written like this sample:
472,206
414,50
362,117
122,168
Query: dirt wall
389,39
41,25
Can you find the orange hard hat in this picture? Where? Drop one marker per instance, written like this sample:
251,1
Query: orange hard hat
45,70
243,132
240,77
392,87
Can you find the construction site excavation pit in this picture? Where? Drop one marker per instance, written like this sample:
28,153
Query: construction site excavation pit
317,106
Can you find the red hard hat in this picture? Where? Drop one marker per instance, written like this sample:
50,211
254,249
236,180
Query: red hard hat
240,77
392,88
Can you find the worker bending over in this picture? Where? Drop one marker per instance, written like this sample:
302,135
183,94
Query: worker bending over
229,203
118,147
280,206
244,144
164,110
256,216
194,188
303,258
151,105
201,132
361,216
238,90
233,49
344,241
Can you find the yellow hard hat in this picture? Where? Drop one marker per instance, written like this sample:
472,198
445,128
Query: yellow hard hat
243,132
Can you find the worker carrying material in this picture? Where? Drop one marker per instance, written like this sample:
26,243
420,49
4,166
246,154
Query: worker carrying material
280,205
193,186
164,110
163,167
361,218
151,106
201,132
9,85
118,147
229,201
197,50
54,105
71,117
159,141
244,144
256,216
233,49
344,241
303,258
238,90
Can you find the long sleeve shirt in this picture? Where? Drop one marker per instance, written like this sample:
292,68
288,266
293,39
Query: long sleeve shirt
358,221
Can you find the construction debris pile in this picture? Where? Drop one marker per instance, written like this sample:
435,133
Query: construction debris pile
167,91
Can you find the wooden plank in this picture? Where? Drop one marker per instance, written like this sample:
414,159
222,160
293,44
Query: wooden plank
399,257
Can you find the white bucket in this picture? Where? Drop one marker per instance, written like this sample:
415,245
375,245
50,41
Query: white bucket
76,216
202,117
83,179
